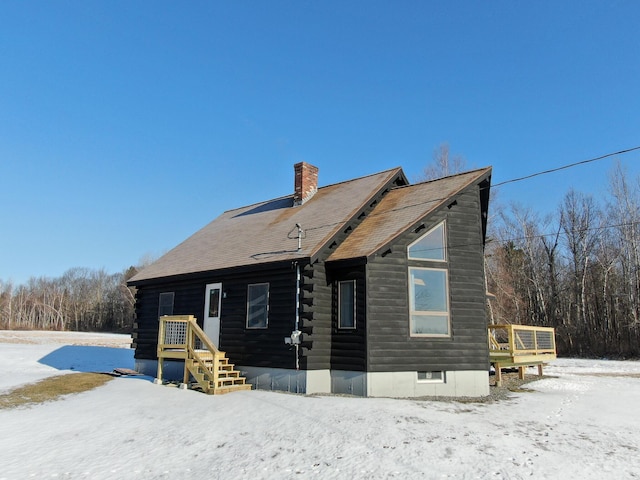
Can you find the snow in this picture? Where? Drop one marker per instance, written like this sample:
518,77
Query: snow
581,422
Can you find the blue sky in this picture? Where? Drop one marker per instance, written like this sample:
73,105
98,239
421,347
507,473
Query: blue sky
127,126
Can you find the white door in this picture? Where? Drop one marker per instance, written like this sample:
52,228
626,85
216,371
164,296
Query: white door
212,303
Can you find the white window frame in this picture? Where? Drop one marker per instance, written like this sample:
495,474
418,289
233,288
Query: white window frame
266,319
444,313
340,326
444,245
428,377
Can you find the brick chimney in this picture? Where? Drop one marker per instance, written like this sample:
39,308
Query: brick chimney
306,184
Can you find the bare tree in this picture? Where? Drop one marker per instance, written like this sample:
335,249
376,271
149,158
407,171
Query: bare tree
578,218
443,164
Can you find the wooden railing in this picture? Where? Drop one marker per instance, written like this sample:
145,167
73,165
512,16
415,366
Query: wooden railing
181,338
520,346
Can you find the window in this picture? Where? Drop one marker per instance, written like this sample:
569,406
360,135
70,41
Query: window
347,304
165,304
214,302
431,377
431,246
428,302
258,305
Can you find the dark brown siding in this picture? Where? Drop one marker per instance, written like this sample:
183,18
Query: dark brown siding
259,347
390,346
316,318
188,300
349,346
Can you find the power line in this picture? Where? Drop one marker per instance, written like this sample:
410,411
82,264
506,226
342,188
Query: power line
513,180
564,167
559,233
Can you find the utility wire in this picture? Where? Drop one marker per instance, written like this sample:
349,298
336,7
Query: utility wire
560,233
513,180
564,167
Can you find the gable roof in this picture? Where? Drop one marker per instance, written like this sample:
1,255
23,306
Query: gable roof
402,208
266,232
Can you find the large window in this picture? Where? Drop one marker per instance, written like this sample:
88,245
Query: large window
347,304
429,301
431,246
258,305
165,304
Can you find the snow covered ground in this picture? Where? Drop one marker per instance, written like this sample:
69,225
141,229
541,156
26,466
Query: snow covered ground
584,423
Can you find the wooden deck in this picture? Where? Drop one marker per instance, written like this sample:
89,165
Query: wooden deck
520,346
181,338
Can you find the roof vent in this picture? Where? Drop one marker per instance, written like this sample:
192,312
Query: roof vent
306,182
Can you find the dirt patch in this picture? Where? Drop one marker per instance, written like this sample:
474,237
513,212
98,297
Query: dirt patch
52,388
511,383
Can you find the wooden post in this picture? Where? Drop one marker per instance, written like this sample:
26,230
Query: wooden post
512,340
540,369
521,373
158,380
190,344
498,375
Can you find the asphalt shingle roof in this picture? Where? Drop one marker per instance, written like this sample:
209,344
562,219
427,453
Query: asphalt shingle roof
400,209
266,232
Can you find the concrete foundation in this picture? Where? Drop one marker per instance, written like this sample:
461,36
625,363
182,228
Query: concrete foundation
365,384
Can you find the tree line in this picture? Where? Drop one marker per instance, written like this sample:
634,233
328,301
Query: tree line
81,299
577,270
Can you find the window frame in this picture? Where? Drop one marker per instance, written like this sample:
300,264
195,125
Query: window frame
442,224
160,303
433,313
427,373
266,306
340,326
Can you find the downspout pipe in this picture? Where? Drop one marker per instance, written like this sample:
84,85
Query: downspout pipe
297,296
297,324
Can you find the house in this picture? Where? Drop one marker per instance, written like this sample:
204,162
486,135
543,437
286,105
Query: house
371,287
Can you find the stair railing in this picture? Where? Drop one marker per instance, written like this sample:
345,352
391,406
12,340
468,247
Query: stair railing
520,346
180,337
197,342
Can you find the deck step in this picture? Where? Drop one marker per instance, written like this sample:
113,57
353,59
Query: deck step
232,388
225,380
180,337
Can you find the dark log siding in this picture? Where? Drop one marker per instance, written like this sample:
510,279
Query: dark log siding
316,319
259,347
381,342
349,346
390,346
188,299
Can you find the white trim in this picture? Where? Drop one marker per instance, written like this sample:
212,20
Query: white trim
340,305
430,378
444,313
211,325
444,245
